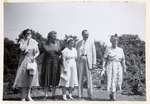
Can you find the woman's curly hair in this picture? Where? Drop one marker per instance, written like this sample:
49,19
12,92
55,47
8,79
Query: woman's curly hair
23,34
114,37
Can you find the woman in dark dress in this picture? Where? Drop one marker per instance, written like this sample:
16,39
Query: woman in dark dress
50,73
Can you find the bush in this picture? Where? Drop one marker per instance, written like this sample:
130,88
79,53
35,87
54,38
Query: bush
134,50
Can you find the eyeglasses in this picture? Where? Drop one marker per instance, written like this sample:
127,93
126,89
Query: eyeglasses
28,33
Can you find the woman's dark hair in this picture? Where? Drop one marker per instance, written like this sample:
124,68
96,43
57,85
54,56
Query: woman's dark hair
23,34
83,31
114,37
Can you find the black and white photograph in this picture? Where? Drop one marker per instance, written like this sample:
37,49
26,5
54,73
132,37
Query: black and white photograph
74,51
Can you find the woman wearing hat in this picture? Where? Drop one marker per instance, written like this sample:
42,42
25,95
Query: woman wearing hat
69,77
50,73
114,65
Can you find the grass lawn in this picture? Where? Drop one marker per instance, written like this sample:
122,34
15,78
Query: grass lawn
98,95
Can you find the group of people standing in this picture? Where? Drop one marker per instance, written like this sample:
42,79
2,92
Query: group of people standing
66,66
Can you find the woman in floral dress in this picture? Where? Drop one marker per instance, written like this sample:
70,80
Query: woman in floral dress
26,78
114,65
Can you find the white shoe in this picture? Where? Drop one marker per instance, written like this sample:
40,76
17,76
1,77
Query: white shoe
23,99
65,97
46,96
29,98
70,96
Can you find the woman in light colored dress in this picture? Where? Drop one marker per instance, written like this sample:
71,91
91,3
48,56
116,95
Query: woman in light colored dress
25,78
69,78
114,65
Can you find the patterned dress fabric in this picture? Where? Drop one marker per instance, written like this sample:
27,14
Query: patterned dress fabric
114,68
22,76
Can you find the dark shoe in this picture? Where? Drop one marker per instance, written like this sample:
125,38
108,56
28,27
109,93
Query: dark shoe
53,97
81,99
110,96
89,98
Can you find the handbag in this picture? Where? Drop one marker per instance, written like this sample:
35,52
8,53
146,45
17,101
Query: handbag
32,67
63,75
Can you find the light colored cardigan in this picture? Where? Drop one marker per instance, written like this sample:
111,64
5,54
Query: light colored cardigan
91,52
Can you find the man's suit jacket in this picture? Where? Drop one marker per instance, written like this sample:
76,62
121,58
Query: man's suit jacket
91,51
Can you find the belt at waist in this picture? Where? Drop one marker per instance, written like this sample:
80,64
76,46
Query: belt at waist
71,59
52,55
114,60
83,55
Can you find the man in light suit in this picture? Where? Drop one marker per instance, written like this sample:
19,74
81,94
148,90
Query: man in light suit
86,60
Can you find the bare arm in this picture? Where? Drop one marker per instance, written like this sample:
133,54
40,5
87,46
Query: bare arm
105,59
123,62
36,52
104,64
22,45
64,61
93,54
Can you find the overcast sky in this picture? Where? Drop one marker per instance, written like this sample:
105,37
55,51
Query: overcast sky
101,19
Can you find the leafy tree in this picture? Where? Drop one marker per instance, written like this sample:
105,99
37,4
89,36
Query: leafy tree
134,50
